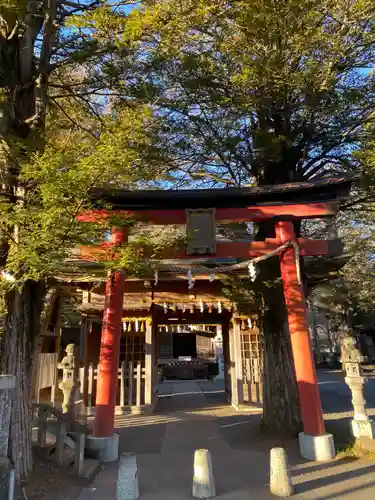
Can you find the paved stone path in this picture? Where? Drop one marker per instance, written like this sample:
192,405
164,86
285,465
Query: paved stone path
194,415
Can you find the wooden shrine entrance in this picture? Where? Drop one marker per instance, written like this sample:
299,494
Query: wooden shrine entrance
145,353
283,206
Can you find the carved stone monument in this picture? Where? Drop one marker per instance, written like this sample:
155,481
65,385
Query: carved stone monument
351,360
70,366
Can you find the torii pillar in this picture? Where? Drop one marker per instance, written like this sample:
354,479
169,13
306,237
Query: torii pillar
104,441
315,443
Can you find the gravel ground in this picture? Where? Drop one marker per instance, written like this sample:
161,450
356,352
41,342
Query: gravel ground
49,481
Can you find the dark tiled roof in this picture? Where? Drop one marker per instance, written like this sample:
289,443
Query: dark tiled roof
321,190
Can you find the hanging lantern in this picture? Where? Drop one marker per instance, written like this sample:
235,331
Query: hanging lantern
136,325
210,308
212,277
124,326
178,329
165,307
219,309
249,324
156,277
201,306
243,326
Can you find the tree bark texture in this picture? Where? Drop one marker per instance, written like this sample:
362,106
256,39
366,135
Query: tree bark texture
281,409
21,328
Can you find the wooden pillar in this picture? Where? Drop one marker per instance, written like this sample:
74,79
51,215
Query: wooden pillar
227,358
110,349
236,364
58,333
86,326
311,408
149,364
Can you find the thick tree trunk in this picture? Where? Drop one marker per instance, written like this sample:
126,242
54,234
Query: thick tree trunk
281,409
21,328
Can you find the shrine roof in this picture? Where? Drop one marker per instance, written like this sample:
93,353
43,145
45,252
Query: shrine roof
321,190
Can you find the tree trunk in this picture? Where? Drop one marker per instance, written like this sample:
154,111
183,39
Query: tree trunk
21,328
281,409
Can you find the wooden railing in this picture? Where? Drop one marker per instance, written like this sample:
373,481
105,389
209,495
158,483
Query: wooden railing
131,387
50,420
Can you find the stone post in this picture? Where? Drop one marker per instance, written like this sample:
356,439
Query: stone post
203,479
351,359
127,479
280,481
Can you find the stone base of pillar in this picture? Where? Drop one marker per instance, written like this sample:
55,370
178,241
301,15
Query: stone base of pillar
363,428
317,448
104,449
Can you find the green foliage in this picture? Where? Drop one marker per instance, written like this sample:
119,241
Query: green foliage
278,90
79,140
268,92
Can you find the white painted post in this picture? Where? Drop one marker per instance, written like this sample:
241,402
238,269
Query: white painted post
139,384
130,384
89,389
82,382
280,480
149,364
127,479
122,384
219,352
203,479
238,360
236,364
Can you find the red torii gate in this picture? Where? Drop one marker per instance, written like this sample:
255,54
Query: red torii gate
284,204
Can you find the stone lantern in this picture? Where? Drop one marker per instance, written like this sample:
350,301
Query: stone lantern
351,360
70,366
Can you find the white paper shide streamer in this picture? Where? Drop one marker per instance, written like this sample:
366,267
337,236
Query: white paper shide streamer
190,279
252,271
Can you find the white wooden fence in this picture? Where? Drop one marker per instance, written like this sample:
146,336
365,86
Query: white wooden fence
253,381
131,386
45,374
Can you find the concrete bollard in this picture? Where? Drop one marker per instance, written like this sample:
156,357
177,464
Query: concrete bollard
203,479
127,479
280,480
